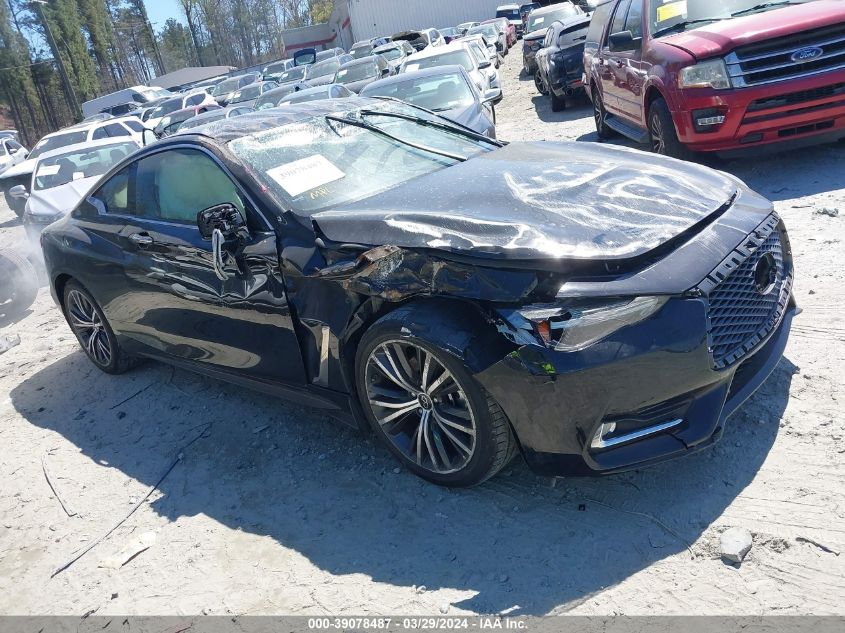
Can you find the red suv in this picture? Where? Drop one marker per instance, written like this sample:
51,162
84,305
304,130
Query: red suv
717,75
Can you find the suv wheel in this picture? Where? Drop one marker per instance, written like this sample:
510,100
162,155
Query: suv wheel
661,130
427,408
540,84
600,116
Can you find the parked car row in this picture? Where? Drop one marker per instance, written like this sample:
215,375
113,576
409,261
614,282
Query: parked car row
693,76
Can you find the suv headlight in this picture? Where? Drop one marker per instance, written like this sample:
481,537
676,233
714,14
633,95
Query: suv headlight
709,74
575,325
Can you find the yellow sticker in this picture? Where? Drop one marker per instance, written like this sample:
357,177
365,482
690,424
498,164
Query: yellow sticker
672,10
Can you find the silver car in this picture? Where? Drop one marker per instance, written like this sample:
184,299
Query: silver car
446,90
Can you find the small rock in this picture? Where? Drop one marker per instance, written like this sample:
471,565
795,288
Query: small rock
420,589
734,544
133,500
503,578
829,211
8,341
114,595
444,608
396,471
812,292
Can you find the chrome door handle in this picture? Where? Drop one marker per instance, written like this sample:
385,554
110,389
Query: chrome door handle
140,239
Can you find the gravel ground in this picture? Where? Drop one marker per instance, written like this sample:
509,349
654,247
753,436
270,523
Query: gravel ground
275,509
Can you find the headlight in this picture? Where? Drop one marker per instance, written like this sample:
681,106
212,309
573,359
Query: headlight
578,324
710,74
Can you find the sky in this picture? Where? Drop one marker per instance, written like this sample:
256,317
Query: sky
160,10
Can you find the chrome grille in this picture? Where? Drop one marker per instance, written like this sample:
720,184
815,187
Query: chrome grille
771,61
740,316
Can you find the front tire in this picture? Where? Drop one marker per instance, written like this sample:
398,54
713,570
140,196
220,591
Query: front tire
93,331
661,130
427,408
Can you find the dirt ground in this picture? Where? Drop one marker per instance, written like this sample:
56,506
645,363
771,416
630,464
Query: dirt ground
277,510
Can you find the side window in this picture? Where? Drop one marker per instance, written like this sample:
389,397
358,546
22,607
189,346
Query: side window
175,185
134,125
597,24
99,133
114,193
139,98
194,100
13,145
634,22
618,23
115,129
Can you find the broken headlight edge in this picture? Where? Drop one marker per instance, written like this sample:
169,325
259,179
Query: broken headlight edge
575,325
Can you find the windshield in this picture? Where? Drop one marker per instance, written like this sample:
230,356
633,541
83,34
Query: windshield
361,50
457,58
510,14
390,54
64,168
489,31
528,8
55,142
197,122
667,15
226,86
320,164
544,21
167,107
278,67
270,98
437,93
247,94
323,69
294,74
356,73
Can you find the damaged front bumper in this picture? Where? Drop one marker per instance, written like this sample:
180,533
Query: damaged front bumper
648,393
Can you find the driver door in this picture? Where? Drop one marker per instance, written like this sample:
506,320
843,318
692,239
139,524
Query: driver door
625,72
181,308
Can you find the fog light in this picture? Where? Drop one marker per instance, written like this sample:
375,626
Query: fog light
708,120
607,436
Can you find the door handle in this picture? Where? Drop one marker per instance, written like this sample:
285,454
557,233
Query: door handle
141,239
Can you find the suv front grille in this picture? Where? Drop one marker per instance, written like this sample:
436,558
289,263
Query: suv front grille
771,61
740,315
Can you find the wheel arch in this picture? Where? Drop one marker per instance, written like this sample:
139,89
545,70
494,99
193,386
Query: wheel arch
59,283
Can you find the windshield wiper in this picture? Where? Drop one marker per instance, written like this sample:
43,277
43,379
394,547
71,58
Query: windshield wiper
765,5
685,24
377,130
435,124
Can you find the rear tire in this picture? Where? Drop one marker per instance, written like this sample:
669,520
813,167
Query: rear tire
419,438
20,284
92,330
558,104
540,84
664,137
600,116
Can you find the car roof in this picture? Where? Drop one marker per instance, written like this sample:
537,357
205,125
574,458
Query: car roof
434,51
450,69
369,59
67,149
549,9
507,6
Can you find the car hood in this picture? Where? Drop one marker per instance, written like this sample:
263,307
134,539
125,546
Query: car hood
21,169
539,201
61,199
535,35
720,38
358,86
320,81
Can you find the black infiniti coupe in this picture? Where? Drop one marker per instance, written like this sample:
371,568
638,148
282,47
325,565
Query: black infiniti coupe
593,308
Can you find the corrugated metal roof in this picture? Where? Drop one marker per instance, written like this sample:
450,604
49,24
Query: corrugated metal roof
373,18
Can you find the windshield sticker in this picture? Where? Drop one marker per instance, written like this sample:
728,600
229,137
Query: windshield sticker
538,21
671,10
306,174
48,170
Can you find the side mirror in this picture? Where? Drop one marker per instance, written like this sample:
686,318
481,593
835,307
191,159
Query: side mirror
492,95
19,191
385,72
224,218
623,41
485,64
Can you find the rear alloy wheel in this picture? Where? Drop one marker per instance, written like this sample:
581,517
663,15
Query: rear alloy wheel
662,133
429,411
600,116
540,83
93,331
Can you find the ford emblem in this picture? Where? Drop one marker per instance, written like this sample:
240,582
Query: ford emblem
806,54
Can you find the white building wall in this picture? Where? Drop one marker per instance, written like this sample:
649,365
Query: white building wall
372,18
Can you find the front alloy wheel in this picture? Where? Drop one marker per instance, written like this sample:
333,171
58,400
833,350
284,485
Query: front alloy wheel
421,407
600,116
